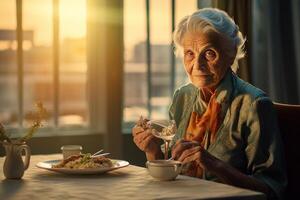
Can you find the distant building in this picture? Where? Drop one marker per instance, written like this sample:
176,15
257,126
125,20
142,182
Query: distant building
135,90
38,79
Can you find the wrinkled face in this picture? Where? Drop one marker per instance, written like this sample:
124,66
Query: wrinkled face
205,58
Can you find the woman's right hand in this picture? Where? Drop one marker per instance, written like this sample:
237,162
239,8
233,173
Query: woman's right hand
145,141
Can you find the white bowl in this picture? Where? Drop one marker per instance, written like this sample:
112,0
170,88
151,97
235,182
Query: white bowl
164,170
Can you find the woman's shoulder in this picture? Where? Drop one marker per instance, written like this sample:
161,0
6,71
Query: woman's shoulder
186,90
247,90
182,99
247,97
183,96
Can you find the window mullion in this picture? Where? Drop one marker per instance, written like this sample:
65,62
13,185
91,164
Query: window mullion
56,61
97,60
173,63
148,51
20,62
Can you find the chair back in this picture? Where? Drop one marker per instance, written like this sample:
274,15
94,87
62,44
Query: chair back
289,125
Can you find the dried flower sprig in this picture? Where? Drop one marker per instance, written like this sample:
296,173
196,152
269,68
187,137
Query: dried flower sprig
39,115
3,136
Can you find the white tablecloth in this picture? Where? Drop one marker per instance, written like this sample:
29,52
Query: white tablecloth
128,183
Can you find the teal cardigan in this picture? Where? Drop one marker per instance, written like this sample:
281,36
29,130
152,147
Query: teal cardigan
248,138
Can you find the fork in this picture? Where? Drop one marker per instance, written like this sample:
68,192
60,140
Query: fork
99,155
97,152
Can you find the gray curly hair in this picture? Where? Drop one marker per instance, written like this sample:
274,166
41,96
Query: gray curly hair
207,19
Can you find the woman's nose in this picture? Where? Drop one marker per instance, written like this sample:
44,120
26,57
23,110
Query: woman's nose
199,64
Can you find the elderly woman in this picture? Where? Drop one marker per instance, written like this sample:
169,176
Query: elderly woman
227,128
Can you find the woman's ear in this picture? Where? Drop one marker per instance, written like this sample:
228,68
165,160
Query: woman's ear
228,50
231,55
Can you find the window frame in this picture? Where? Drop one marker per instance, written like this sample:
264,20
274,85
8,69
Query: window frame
54,130
104,88
126,126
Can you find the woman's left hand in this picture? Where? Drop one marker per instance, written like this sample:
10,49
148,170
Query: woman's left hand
189,151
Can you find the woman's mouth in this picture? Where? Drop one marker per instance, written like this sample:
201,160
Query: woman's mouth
199,75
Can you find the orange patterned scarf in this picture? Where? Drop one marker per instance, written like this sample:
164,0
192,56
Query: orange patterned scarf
210,120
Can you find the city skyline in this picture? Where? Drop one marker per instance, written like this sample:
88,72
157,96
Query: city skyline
37,16
37,20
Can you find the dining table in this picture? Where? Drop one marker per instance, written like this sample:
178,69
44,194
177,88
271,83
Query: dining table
130,182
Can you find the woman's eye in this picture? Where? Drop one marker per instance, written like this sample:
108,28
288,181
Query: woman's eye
189,55
210,55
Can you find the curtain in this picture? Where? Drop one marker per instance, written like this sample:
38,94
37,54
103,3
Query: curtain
276,49
240,11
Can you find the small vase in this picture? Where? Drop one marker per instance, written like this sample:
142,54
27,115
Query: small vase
14,166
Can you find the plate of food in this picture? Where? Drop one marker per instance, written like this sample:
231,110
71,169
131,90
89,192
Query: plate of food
83,164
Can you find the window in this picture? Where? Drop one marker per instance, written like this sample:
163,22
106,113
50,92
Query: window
43,59
8,66
151,71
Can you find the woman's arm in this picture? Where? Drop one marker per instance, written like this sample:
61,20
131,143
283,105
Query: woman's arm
186,152
229,175
263,150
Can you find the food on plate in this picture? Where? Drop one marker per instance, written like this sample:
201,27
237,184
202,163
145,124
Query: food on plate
84,161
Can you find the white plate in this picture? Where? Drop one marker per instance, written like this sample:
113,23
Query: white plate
48,166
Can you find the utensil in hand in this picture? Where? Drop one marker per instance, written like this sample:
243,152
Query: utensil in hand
171,158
